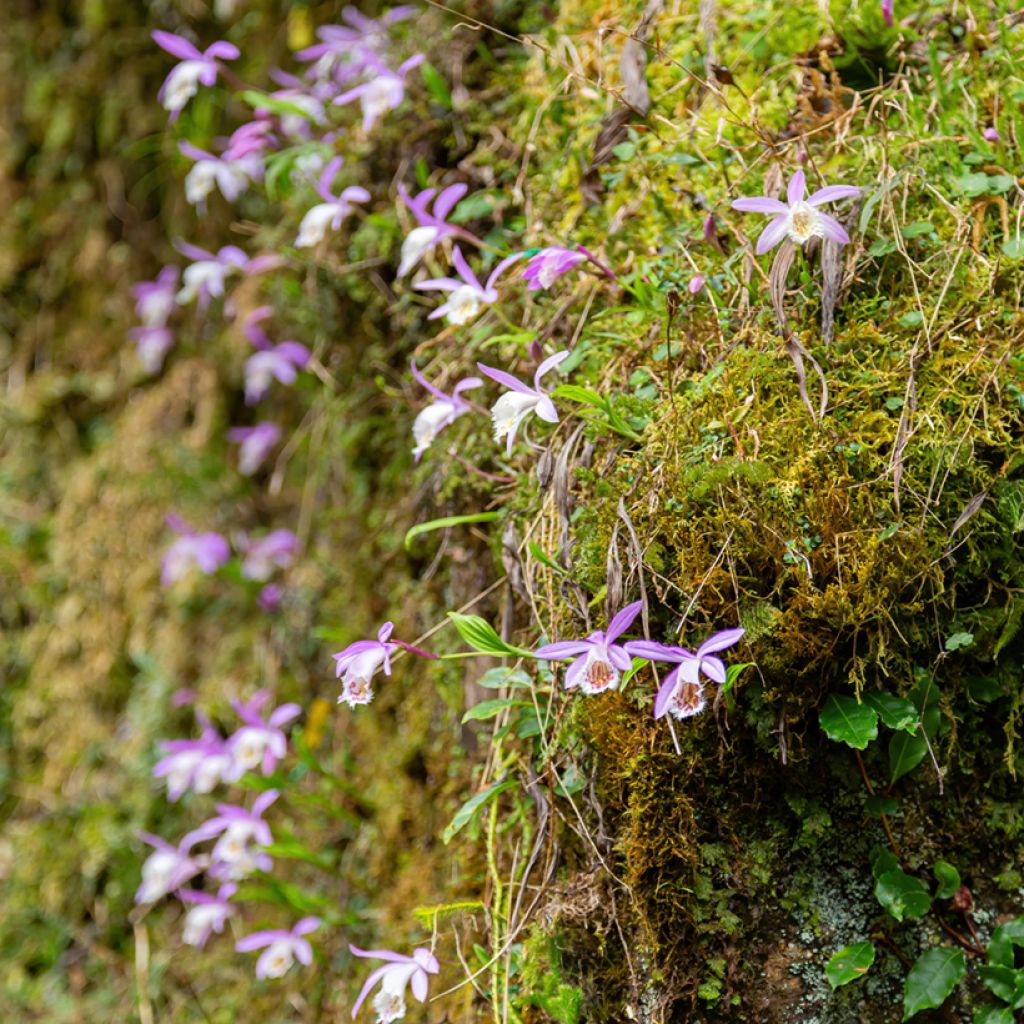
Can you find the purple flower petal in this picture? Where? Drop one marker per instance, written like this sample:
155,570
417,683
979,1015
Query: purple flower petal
772,235
760,204
796,189
562,649
830,193
665,692
623,620
831,228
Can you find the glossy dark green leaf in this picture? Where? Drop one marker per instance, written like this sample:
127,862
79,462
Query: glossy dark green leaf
931,979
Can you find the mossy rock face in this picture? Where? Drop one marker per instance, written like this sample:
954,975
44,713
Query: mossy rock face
700,872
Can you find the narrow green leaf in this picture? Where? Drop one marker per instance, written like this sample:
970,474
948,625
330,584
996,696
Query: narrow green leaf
931,979
732,673
902,895
441,524
948,878
428,916
545,559
850,963
436,86
489,708
848,722
465,813
480,635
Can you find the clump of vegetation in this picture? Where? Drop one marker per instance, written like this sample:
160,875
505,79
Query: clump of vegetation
824,452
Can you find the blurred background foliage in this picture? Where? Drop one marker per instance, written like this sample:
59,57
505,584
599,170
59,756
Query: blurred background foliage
708,882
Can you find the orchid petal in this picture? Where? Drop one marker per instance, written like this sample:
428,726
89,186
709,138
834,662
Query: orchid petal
796,189
772,235
505,379
562,649
502,267
423,382
549,364
665,692
720,641
759,204
714,669
223,51
465,272
176,46
284,714
372,980
654,651
419,983
306,925
830,193
623,620
447,200
546,411
575,672
258,940
832,229
619,657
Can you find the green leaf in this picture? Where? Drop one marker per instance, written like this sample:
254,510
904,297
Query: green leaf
489,708
1004,938
1013,248
544,558
948,878
912,319
902,895
849,964
931,979
427,916
275,104
464,815
905,753
496,678
918,227
436,86
574,393
972,183
440,524
882,247
846,721
1004,982
993,1015
732,673
480,635
958,640
895,712
882,860
879,805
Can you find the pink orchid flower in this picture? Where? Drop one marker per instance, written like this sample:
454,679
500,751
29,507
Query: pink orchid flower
283,948
265,554
195,68
167,868
798,218
206,276
242,831
383,92
209,913
433,227
682,692
255,445
152,345
466,296
259,742
397,974
206,551
444,410
520,400
332,211
599,661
